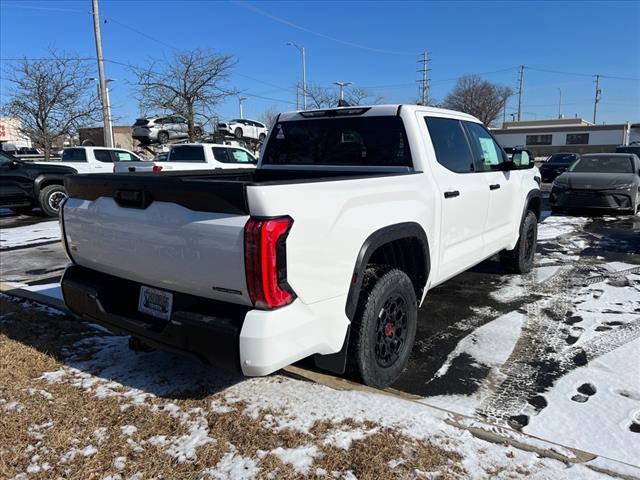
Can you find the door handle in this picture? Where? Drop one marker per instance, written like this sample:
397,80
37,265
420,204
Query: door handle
495,186
451,194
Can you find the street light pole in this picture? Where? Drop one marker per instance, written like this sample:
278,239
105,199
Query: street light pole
560,104
108,140
108,126
240,100
304,72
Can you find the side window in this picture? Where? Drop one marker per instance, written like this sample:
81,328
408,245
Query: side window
124,156
240,156
103,156
74,155
187,153
488,153
450,144
220,154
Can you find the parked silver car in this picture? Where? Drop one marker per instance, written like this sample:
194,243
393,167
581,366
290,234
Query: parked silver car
162,129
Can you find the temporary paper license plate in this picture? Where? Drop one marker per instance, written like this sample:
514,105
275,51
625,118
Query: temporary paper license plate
155,302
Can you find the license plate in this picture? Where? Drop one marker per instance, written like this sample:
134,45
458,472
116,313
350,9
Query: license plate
155,302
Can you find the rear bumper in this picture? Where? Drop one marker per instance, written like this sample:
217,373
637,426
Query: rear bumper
233,337
587,199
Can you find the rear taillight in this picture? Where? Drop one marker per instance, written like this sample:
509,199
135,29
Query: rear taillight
157,168
266,261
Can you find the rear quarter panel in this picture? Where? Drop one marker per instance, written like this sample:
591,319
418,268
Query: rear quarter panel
332,220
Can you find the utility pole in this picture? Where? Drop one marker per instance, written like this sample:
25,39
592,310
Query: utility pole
106,117
424,81
597,98
560,104
240,100
520,87
304,72
342,85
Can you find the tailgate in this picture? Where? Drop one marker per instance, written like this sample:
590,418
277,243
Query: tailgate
185,235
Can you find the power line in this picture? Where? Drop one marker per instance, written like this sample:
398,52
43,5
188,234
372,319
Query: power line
259,11
49,9
147,36
615,77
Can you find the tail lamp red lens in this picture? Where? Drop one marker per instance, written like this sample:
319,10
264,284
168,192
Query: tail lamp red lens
157,168
266,261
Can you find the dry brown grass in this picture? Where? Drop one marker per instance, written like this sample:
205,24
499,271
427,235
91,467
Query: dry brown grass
31,342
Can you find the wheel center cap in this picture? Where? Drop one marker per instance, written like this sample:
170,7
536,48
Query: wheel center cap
388,329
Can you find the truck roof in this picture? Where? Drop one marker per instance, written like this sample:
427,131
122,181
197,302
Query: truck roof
379,110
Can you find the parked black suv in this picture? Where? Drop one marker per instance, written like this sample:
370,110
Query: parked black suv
25,186
557,164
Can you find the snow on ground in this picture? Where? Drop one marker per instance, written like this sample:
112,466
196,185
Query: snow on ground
29,234
553,227
489,346
104,365
49,289
599,421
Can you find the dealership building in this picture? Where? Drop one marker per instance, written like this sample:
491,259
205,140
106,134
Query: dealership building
544,137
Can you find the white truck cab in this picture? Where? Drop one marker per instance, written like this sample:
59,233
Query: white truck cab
326,249
195,156
94,159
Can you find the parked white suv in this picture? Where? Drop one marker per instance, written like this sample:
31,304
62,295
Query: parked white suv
328,248
243,128
162,129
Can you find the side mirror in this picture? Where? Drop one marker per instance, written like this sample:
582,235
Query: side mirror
507,166
13,164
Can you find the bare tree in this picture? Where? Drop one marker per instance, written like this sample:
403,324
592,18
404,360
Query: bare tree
478,97
51,98
268,117
191,84
323,97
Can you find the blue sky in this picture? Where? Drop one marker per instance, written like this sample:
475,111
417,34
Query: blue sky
372,44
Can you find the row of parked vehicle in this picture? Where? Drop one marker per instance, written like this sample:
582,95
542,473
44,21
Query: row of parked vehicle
26,185
162,130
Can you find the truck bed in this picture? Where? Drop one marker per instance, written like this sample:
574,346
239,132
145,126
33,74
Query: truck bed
204,190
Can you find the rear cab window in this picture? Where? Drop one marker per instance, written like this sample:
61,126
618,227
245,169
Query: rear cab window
103,156
450,144
378,141
187,153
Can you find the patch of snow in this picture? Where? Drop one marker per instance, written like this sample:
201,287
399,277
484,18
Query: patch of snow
44,393
53,377
49,289
301,458
599,425
100,434
119,463
184,448
554,227
233,466
128,430
342,439
29,235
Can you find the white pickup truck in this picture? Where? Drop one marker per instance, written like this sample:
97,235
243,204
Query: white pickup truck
94,159
328,248
194,156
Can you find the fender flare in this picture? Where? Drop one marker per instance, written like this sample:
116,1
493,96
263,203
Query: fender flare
377,239
337,362
535,193
43,178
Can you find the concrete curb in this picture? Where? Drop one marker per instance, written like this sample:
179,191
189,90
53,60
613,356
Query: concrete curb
483,430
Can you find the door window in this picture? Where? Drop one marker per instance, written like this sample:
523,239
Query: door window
488,153
124,156
187,153
450,143
103,156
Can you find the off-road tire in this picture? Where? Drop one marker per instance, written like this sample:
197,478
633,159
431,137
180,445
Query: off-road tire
238,133
50,198
382,286
520,259
163,137
22,210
